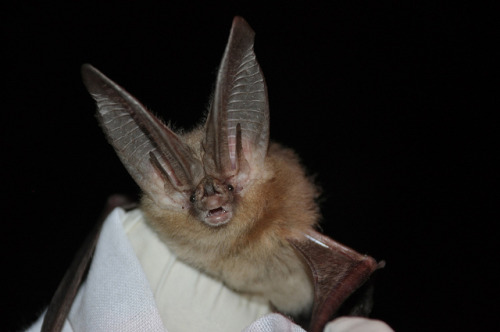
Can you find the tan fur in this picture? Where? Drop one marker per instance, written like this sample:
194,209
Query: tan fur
251,253
216,198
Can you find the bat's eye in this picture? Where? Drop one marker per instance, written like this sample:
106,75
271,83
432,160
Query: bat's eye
230,187
192,198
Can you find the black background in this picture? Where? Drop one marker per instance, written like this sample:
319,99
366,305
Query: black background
386,101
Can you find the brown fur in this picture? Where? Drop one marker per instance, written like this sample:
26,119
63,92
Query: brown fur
251,253
222,199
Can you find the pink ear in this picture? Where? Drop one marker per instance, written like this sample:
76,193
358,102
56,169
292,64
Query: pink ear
240,101
160,163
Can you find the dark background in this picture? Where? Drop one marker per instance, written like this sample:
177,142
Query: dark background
386,101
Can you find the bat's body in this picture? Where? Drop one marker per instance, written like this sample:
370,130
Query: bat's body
251,252
223,198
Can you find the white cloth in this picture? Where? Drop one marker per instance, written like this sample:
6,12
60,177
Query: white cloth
187,299
357,324
135,284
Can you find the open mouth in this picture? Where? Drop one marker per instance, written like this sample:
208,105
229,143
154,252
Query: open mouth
218,216
216,212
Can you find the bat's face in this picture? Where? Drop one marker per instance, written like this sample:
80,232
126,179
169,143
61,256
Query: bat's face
207,171
213,201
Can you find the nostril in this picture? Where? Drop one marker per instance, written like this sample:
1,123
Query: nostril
211,187
208,189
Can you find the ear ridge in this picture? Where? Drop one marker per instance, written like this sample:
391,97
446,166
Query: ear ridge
240,99
158,160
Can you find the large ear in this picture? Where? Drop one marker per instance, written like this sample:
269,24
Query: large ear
158,160
237,128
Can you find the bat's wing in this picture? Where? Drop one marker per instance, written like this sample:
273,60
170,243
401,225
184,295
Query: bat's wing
337,272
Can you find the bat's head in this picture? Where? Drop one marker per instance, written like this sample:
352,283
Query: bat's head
204,172
213,201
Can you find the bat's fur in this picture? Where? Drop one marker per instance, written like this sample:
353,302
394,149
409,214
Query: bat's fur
251,253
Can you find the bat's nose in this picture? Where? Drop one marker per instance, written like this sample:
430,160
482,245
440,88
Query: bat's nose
209,188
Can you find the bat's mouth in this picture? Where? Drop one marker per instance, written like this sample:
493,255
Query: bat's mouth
218,211
218,216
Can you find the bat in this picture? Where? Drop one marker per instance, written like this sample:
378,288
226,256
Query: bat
227,200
